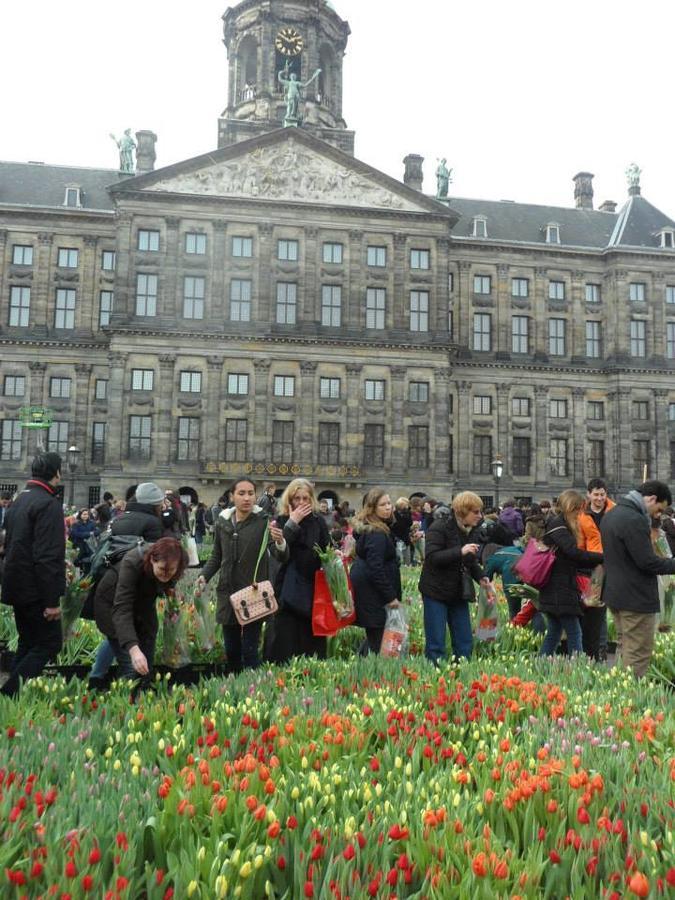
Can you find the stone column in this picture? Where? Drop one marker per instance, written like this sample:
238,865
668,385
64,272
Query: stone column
354,438
37,395
504,445
262,310
87,301
502,314
309,292
308,429
656,328
353,300
440,425
117,417
164,441
125,272
43,284
260,440
218,307
212,451
440,298
578,439
542,466
170,301
82,419
398,428
397,288
624,434
463,431
5,261
463,317
577,319
662,448
539,320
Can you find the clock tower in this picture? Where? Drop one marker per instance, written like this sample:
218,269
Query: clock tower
295,38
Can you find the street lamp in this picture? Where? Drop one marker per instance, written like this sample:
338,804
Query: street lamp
73,460
497,471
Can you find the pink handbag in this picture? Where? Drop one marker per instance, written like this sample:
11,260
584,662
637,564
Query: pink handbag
534,566
257,600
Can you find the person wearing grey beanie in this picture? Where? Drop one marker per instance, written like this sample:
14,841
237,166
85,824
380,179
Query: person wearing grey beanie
149,493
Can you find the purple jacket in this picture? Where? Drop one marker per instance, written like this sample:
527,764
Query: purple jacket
512,519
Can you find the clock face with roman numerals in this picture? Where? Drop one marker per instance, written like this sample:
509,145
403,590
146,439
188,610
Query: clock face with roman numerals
289,42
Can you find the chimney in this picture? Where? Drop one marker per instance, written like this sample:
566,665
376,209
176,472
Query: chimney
413,175
145,152
608,206
583,190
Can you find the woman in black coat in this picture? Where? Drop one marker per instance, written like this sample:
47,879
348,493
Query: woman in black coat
375,573
81,530
289,633
560,598
452,544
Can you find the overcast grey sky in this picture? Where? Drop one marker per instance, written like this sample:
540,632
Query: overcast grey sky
518,96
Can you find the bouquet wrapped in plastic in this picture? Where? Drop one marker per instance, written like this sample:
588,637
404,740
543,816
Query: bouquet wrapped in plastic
592,592
175,630
486,613
666,582
333,566
204,620
72,601
395,635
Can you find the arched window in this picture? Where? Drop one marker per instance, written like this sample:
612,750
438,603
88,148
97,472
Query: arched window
247,69
326,82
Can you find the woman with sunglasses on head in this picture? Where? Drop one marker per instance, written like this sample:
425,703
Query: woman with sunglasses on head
241,532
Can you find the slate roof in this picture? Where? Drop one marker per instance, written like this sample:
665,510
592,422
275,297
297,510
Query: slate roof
37,184
638,223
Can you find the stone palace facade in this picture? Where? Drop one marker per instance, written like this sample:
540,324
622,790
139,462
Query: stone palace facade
278,307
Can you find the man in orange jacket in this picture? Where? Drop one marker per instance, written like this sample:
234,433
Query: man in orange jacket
594,620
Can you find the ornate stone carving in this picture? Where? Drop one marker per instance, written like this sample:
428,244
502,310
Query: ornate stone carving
354,369
262,365
541,391
118,359
311,233
463,265
308,367
83,368
502,270
219,225
44,238
172,221
166,359
355,235
37,366
265,230
398,371
214,362
287,172
90,240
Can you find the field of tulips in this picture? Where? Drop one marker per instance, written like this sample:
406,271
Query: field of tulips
507,776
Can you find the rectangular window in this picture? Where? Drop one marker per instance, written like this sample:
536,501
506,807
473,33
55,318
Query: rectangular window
284,386
14,386
671,412
556,290
375,308
331,305
482,405
641,409
418,392
670,293
374,389
142,379
450,323
420,259
672,460
148,241
146,295
67,258
373,445
283,434
105,307
556,337
101,389
419,310
376,256
191,382
451,454
592,293
19,306
638,338
140,436
188,438
59,388
520,334
482,284
329,444
482,332
670,340
596,410
64,314
593,340
557,409
522,456
559,461
482,454
195,243
108,260
72,197
520,406
22,255
242,247
287,300
98,430
332,254
11,440
637,292
236,440
287,250
552,234
240,300
418,447
451,282
193,297
641,460
237,383
57,438
596,459
329,388
520,287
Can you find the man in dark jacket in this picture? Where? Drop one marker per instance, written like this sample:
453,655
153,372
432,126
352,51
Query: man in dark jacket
34,578
142,514
631,569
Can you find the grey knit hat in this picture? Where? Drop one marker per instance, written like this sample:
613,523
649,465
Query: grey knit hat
149,493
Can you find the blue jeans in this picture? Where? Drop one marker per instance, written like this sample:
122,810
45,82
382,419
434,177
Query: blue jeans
104,659
457,618
242,645
556,624
124,659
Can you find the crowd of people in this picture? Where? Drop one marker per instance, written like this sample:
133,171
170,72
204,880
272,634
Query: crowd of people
258,537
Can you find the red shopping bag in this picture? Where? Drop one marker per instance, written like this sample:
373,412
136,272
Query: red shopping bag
325,621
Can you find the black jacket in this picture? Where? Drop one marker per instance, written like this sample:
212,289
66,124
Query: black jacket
35,548
139,519
297,575
375,575
401,525
441,572
631,566
560,596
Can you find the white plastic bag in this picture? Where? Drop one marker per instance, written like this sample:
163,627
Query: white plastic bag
395,636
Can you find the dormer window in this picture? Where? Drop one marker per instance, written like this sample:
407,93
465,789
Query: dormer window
480,227
552,233
667,238
73,196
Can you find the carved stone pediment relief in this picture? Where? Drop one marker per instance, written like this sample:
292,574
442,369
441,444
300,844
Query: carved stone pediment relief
374,409
189,402
284,407
236,404
289,172
330,410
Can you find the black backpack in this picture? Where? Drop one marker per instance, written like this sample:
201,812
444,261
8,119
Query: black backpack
111,550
